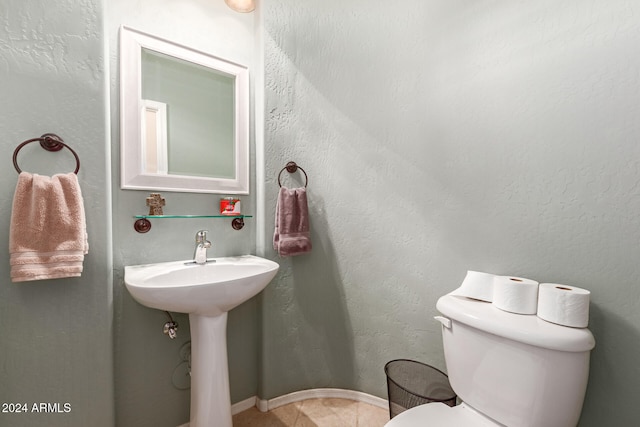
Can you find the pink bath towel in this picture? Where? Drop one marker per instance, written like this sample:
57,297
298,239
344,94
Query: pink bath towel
291,236
48,234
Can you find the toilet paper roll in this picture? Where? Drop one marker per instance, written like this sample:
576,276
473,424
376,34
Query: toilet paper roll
476,285
564,305
515,295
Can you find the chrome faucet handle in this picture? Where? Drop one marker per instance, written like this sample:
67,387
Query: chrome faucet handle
201,236
202,244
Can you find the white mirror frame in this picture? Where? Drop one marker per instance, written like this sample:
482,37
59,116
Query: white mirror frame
132,172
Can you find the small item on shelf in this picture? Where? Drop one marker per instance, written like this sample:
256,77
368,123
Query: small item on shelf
230,206
155,201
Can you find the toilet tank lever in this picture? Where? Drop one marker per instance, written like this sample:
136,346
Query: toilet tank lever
446,322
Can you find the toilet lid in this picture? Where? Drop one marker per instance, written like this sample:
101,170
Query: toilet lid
441,415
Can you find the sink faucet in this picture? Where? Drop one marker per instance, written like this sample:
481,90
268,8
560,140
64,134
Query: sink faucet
202,244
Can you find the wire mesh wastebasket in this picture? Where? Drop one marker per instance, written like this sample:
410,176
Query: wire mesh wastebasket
411,383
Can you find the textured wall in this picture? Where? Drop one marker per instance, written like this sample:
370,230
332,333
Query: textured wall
442,136
56,339
145,359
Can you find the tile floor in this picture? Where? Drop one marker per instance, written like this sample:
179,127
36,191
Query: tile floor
315,413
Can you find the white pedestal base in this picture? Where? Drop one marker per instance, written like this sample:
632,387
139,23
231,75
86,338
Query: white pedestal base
210,399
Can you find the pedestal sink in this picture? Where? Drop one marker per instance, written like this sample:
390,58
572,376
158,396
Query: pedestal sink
207,292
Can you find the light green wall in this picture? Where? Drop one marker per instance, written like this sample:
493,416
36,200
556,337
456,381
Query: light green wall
438,137
57,344
56,339
446,136
145,359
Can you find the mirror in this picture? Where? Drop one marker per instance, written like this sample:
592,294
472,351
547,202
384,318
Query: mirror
184,118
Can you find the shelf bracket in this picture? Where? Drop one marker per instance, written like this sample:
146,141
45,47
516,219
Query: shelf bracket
237,223
142,225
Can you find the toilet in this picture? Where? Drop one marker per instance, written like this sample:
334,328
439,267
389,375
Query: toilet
507,369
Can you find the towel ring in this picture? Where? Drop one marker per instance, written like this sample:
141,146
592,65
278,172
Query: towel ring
50,142
292,167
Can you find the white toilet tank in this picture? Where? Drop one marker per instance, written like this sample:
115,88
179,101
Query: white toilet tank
516,369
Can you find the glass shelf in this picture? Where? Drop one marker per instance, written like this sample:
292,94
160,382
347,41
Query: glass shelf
193,216
143,225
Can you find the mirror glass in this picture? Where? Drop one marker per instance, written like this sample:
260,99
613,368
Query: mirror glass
184,118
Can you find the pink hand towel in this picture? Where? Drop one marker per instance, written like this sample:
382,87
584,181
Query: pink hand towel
48,234
291,236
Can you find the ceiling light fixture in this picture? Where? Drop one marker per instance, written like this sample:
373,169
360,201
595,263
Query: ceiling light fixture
242,6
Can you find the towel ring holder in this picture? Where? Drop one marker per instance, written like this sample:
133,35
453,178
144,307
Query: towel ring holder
292,167
50,142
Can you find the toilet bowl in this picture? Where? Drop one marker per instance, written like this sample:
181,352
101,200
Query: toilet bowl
508,369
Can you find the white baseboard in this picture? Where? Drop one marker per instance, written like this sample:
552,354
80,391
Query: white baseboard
236,408
264,405
321,393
